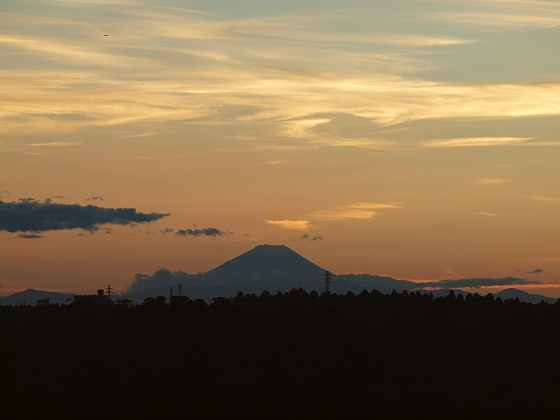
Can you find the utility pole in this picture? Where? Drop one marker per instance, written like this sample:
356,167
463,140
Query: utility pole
109,290
328,282
180,285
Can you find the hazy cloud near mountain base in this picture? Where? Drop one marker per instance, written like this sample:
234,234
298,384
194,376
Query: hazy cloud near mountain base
448,284
29,215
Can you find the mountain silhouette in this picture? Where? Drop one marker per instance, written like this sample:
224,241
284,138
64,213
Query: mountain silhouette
523,296
272,263
31,296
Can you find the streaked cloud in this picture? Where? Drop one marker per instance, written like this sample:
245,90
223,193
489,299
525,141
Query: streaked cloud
504,13
229,62
544,199
543,143
373,38
290,224
507,14
360,143
298,128
277,163
55,144
360,211
133,136
484,213
476,142
416,40
507,20
74,54
492,181
363,210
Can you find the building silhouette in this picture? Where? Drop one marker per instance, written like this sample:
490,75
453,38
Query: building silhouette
99,299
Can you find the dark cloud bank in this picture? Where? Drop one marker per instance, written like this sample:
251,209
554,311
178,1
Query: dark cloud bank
29,215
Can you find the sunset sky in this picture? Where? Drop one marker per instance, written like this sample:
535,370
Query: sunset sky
416,139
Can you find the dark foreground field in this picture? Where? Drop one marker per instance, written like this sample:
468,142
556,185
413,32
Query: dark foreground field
283,356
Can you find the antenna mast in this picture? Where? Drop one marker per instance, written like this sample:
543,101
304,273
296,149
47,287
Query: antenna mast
109,290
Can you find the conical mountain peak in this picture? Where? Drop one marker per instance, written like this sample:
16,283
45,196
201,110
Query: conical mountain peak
267,263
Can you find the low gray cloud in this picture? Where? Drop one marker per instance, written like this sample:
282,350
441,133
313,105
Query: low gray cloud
95,198
201,232
537,271
29,236
166,231
458,283
29,215
313,238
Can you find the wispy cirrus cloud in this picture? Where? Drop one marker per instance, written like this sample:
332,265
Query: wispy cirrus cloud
544,199
363,210
504,14
290,224
487,214
359,143
298,128
476,142
51,49
507,14
492,181
55,144
277,163
230,63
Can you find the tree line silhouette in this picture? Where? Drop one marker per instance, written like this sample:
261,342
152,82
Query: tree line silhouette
295,354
